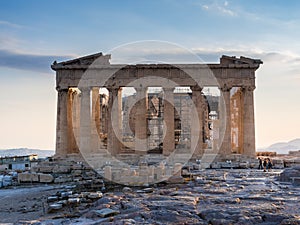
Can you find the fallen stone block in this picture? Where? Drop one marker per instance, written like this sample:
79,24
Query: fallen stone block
175,180
295,181
55,206
7,181
46,169
61,169
73,200
127,189
90,173
62,179
34,169
145,190
76,166
65,194
106,212
28,177
95,195
76,172
52,198
62,202
286,175
45,178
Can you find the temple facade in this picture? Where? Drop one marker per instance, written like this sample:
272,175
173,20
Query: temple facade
93,115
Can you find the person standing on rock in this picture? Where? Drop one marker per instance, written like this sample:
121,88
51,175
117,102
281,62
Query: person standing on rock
269,165
260,167
284,164
265,164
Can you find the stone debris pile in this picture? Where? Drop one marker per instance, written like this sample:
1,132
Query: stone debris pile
71,201
291,175
214,197
61,172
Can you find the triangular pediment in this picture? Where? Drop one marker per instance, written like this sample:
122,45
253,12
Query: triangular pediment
84,61
226,60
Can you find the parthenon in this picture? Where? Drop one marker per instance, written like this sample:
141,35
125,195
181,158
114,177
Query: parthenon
168,110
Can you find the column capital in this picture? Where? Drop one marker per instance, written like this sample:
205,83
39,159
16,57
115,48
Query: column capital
196,88
248,88
113,89
62,89
225,88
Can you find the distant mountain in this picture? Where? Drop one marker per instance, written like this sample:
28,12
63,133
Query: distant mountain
283,147
26,151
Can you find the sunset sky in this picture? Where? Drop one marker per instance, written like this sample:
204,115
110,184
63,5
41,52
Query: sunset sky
35,33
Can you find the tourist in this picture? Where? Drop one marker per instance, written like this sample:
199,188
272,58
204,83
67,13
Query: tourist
265,165
284,164
269,165
260,167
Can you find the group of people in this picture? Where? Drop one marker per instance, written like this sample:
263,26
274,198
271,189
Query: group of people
265,164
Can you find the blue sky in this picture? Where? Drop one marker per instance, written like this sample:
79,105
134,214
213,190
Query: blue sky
35,33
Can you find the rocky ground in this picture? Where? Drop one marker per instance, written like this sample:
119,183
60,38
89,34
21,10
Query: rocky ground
214,197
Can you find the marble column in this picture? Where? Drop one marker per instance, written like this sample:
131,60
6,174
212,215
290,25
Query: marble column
169,139
62,122
240,122
141,121
197,115
95,122
72,144
103,114
248,122
76,119
85,121
113,126
225,121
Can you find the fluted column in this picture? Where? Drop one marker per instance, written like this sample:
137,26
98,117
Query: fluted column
197,115
76,119
95,122
62,122
248,122
71,120
169,139
141,122
225,121
85,121
113,120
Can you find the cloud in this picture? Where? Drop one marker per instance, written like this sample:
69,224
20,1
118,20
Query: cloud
152,51
218,7
9,24
31,62
267,56
8,41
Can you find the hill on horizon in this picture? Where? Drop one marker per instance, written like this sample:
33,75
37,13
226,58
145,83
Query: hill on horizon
283,147
279,147
26,151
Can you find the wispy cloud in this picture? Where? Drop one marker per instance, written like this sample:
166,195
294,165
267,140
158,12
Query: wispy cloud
267,56
31,62
219,7
283,67
9,42
170,52
227,8
9,24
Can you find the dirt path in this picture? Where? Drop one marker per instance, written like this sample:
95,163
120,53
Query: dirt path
24,203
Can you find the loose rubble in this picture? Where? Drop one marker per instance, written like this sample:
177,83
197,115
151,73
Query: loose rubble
213,197
291,175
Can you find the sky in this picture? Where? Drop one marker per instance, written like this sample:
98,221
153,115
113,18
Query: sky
34,33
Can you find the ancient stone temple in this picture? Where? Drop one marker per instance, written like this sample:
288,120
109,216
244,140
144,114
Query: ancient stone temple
93,115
